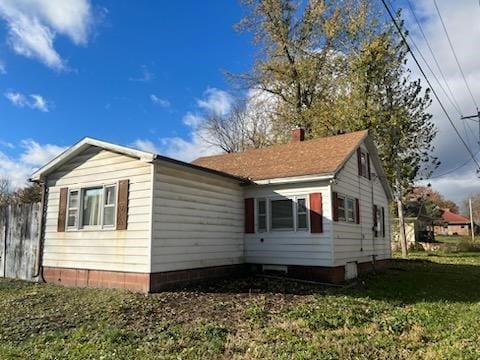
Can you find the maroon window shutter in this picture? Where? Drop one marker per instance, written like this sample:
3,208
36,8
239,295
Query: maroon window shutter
368,167
375,221
383,221
335,206
357,211
62,210
249,216
359,161
316,213
122,205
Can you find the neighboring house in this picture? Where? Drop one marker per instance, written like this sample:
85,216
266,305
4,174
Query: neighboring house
118,217
453,224
418,225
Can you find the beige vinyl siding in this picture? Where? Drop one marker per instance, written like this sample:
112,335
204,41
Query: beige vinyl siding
281,247
349,239
126,250
197,219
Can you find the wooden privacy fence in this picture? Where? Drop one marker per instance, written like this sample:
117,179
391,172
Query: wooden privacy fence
19,240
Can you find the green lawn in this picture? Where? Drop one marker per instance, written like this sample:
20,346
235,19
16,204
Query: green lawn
427,308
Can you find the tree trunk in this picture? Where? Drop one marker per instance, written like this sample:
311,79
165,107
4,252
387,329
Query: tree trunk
401,220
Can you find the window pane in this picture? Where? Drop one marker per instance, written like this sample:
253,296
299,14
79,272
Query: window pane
302,221
261,207
301,206
73,201
109,216
341,208
92,206
282,214
262,222
110,195
350,210
72,217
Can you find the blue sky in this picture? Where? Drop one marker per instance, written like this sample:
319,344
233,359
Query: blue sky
142,73
138,72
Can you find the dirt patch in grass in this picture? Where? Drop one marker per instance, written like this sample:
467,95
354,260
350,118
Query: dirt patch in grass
421,308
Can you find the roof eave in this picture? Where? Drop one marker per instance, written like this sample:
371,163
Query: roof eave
80,146
295,179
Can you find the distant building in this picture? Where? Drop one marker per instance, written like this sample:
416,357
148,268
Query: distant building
453,224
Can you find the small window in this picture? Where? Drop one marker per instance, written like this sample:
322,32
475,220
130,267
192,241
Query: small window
91,212
301,214
73,202
282,214
346,209
262,215
109,205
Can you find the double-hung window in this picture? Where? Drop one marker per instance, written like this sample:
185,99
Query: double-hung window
282,214
92,207
346,209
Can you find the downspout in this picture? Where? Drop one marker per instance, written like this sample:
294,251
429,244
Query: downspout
38,272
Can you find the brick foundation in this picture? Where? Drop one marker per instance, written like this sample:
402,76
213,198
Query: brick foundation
144,282
138,282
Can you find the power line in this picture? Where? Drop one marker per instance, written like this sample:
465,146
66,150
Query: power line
452,99
454,53
399,30
452,170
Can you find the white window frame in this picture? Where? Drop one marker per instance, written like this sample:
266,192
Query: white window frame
101,226
296,213
268,213
346,199
265,215
77,218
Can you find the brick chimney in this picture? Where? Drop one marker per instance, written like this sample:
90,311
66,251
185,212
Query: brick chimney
298,134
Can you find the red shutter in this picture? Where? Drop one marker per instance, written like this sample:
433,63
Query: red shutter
122,205
359,161
316,213
249,216
375,221
62,210
368,167
383,221
335,206
357,211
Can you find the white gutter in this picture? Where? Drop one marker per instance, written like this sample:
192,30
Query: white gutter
294,179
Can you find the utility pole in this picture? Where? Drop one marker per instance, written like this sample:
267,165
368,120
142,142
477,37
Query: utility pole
472,229
474,117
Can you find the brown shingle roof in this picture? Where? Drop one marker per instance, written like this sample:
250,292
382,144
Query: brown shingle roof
312,157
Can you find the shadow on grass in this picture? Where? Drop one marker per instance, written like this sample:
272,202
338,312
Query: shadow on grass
404,281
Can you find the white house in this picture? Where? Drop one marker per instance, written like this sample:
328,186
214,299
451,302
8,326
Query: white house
119,217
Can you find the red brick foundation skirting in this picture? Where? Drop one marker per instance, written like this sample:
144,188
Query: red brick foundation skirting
144,282
138,282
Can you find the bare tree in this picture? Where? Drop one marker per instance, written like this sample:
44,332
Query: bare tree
5,191
247,125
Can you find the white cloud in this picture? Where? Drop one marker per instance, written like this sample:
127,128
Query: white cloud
145,145
7,144
3,69
32,101
461,19
216,101
187,149
34,24
34,155
192,120
145,75
164,103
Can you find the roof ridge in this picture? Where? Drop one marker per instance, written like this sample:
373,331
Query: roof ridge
274,146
